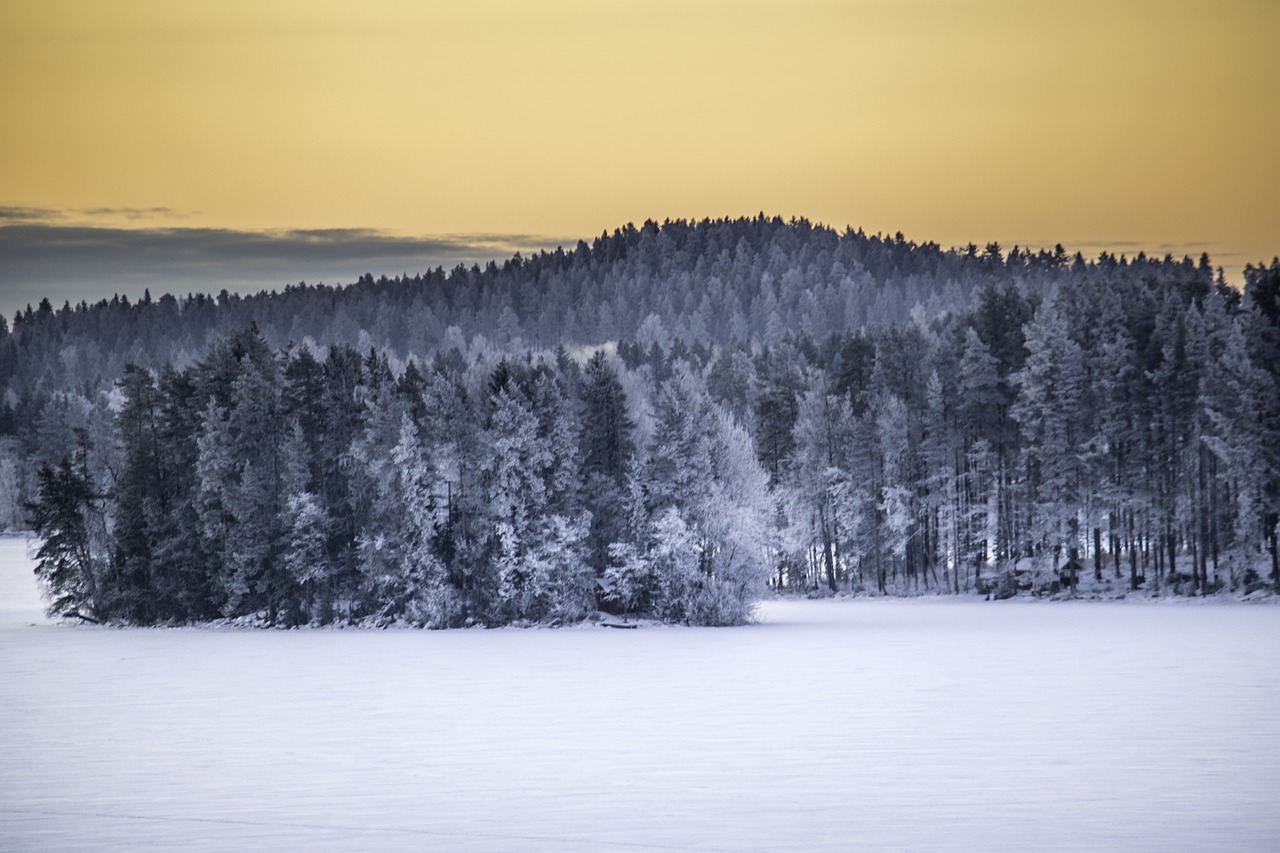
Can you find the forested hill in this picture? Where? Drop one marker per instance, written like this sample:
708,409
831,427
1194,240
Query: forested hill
708,283
781,404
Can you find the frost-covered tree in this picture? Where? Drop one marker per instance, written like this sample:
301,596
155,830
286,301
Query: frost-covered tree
815,475
705,509
1049,413
530,477
241,472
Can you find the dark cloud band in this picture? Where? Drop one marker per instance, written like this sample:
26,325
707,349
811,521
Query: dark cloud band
75,262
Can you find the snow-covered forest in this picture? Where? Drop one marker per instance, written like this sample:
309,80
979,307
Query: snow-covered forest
660,423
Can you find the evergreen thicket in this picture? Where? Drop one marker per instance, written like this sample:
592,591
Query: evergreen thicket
657,424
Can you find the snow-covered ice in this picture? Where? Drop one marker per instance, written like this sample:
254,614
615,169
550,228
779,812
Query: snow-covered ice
831,725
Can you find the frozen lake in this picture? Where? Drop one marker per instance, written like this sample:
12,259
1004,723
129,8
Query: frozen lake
830,725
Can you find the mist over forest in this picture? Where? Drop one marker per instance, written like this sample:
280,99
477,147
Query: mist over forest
666,422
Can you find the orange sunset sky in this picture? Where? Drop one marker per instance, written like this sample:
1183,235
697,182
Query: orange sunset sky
1116,125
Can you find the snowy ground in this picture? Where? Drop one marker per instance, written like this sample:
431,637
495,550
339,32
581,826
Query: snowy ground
833,725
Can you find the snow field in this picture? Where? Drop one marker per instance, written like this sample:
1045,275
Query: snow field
831,725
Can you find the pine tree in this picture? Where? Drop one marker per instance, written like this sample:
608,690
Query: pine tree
778,386
184,565
1232,399
242,491
71,562
1262,324
139,495
606,447
1049,413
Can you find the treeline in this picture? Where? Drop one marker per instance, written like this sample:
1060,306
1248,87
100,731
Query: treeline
1134,425
711,283
293,488
1124,414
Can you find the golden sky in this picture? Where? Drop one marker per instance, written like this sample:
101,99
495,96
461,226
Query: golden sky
1133,124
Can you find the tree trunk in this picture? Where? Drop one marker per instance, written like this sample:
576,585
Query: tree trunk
1114,536
1133,567
1097,553
1213,522
827,555
1273,530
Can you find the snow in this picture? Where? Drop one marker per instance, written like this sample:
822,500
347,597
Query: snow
894,725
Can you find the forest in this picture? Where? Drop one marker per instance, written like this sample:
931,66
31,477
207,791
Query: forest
664,423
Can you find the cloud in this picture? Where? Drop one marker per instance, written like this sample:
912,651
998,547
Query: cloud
65,262
1117,245
22,214
134,212
1218,252
1178,249
28,214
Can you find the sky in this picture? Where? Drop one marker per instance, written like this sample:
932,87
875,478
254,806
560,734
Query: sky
191,146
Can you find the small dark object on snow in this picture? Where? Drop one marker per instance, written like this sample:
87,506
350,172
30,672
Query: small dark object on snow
617,625
1069,573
